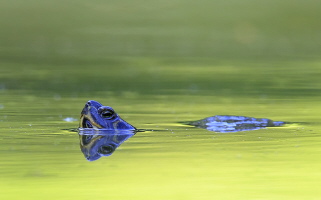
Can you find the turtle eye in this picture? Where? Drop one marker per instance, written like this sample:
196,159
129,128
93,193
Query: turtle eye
107,149
107,114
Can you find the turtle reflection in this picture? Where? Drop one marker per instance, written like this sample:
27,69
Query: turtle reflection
97,143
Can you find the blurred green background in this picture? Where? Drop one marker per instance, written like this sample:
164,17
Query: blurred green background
69,31
224,47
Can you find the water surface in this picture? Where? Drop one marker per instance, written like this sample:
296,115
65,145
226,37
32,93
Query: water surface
41,159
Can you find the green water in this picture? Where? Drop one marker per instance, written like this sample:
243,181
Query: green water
158,64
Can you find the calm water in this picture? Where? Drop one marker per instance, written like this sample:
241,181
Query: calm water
158,63
42,160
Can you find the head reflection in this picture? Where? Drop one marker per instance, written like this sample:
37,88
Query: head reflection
97,143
